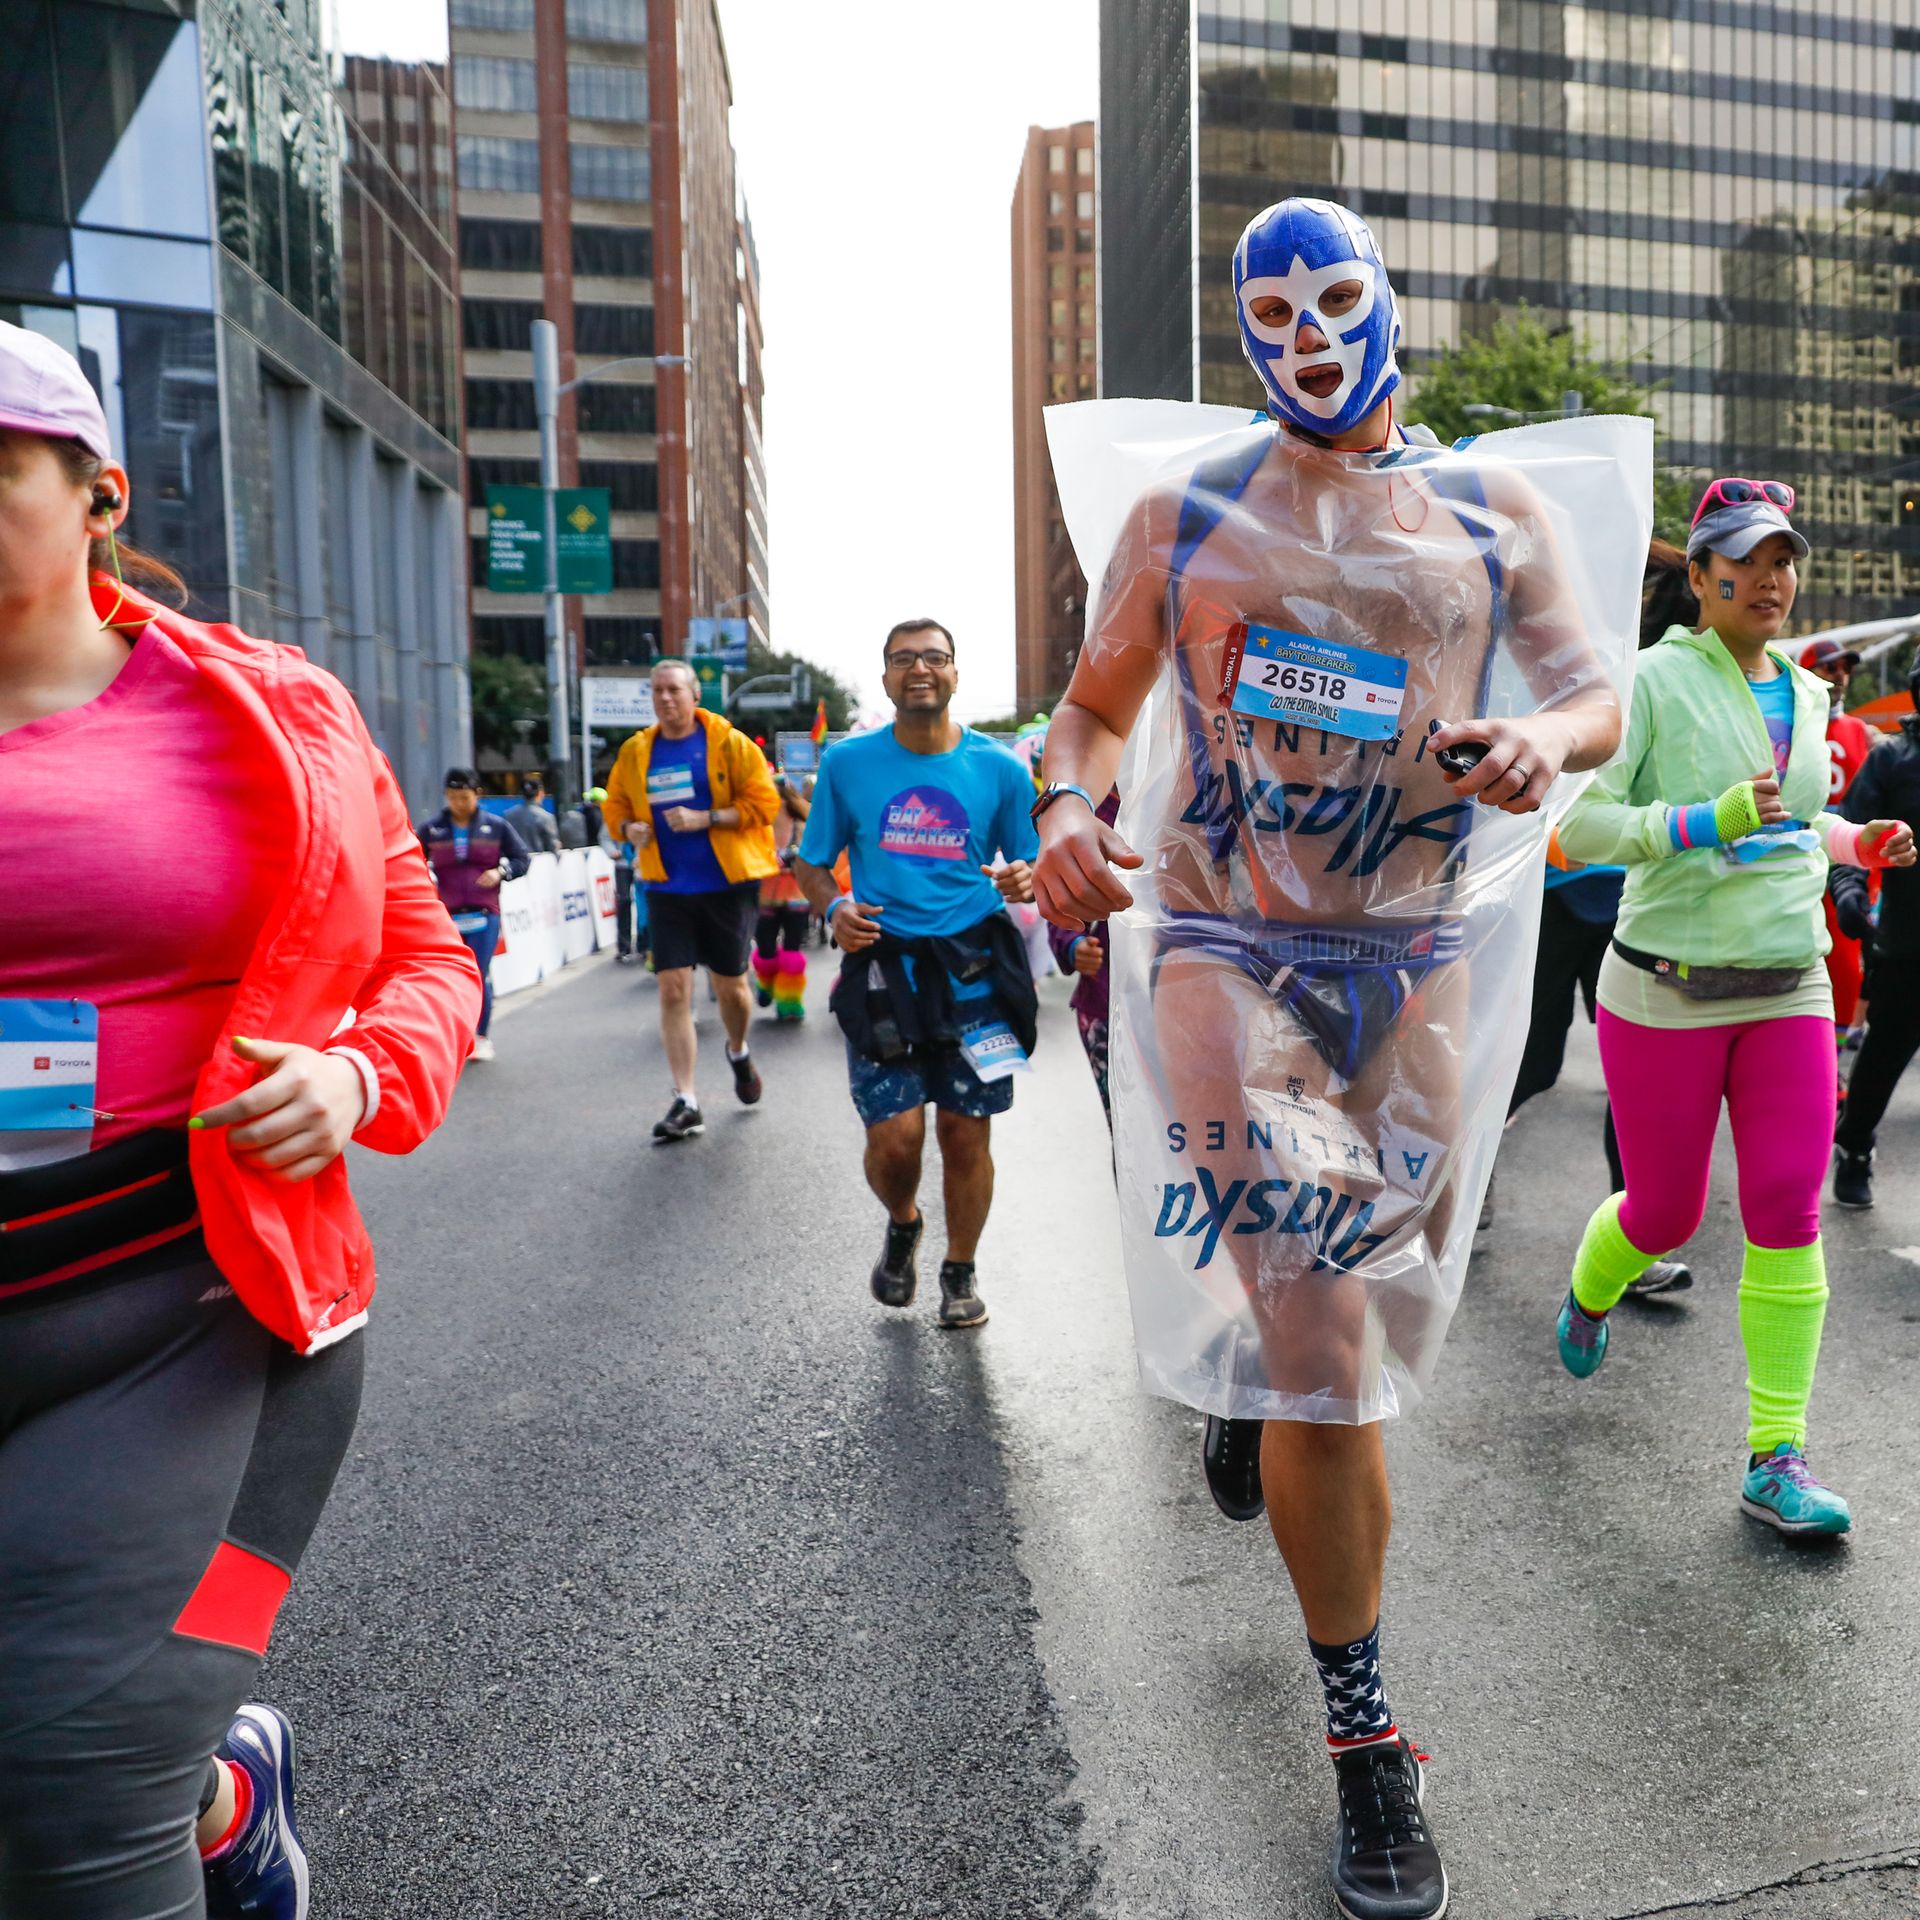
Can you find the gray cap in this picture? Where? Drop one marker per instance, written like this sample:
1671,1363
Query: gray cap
1736,531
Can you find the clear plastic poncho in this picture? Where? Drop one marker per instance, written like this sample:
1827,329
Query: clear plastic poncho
1322,991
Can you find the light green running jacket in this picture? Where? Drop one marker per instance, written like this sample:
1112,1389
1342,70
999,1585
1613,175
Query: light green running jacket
1694,731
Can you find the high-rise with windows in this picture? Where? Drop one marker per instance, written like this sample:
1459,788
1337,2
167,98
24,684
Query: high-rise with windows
1055,358
243,228
1723,197
596,188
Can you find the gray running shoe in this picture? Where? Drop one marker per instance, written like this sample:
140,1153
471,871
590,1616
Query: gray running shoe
1663,1276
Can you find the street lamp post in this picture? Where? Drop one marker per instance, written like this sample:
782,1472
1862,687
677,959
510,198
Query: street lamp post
546,407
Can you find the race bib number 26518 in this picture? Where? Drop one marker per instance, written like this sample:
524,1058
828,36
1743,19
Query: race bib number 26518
1296,678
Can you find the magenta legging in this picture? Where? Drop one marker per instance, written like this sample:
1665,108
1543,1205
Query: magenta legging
1666,1085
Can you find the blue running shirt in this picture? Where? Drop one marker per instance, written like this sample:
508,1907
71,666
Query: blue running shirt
677,777
1775,698
918,827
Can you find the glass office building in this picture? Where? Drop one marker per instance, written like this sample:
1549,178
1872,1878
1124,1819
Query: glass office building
1723,196
245,233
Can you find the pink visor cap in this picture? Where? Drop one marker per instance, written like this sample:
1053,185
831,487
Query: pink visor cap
43,391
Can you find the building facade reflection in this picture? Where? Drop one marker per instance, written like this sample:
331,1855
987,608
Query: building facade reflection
248,241
1724,198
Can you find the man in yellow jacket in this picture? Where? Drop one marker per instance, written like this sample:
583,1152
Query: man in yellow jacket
694,796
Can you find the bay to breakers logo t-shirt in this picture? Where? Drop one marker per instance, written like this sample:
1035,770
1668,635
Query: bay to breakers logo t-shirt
924,824
918,827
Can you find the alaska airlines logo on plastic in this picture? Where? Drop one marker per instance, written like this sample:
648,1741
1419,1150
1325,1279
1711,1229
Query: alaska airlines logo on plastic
925,823
1367,819
1333,1223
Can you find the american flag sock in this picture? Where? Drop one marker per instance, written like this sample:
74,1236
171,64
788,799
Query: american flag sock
1357,1714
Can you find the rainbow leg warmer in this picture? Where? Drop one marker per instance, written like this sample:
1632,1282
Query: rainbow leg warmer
1607,1260
766,974
790,987
1783,1306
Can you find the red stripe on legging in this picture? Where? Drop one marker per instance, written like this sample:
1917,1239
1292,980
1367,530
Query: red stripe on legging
80,1206
106,1258
236,1600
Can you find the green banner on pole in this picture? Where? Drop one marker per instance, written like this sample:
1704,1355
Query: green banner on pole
516,540
584,519
711,671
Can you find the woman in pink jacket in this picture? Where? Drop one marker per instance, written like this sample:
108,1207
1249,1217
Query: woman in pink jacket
197,1011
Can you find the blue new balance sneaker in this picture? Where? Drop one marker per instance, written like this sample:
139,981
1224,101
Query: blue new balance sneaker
263,1876
1781,1490
1583,1339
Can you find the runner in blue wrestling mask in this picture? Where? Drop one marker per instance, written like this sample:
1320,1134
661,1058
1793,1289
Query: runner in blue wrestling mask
1336,646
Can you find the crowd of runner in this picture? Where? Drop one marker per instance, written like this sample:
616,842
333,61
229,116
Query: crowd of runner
1283,820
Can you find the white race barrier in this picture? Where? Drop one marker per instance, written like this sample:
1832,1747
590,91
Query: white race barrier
600,897
560,910
531,943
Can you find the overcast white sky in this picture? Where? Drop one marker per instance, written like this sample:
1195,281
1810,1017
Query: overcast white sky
878,144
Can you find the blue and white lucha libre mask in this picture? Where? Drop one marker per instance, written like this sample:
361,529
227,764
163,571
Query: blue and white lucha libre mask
1299,251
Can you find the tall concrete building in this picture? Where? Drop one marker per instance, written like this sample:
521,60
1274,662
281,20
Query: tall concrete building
1724,199
1055,358
597,188
243,228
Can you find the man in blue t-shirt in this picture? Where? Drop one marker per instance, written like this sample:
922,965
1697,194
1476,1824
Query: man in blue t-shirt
924,810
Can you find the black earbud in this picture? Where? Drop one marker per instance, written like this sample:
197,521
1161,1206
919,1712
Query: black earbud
105,500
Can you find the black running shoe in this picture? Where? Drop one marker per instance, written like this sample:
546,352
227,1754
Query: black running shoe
1385,1865
894,1275
1230,1451
1852,1178
1662,1276
746,1079
683,1121
960,1302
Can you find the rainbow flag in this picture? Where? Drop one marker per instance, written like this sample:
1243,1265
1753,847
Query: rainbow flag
819,734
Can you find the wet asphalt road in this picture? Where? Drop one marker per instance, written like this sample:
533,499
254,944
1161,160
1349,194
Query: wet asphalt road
669,1575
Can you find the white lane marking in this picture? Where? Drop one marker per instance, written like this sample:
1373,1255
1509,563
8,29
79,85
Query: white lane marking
1906,1253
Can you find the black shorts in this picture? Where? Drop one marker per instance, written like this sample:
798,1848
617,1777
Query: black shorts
711,930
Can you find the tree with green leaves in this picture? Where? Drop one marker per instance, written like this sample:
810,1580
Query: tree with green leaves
509,701
1523,367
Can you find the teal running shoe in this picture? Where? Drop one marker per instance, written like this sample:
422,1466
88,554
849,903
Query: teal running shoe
1781,1490
1583,1339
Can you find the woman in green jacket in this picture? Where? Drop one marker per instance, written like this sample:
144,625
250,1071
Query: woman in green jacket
1713,989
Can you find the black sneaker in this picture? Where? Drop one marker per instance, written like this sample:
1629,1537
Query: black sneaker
746,1079
960,1303
683,1121
1663,1276
894,1275
1385,1865
1230,1452
1852,1178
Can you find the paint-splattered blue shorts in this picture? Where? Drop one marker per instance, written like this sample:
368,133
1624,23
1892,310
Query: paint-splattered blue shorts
881,1090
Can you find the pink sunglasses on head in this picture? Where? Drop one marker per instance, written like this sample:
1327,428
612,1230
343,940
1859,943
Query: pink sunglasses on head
1740,493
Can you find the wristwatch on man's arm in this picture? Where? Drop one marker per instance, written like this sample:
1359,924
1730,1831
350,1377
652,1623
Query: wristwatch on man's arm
1058,789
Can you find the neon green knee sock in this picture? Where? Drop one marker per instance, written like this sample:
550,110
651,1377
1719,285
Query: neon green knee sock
1783,1305
1607,1259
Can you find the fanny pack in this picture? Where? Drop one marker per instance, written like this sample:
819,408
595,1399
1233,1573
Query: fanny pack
1713,983
92,1211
